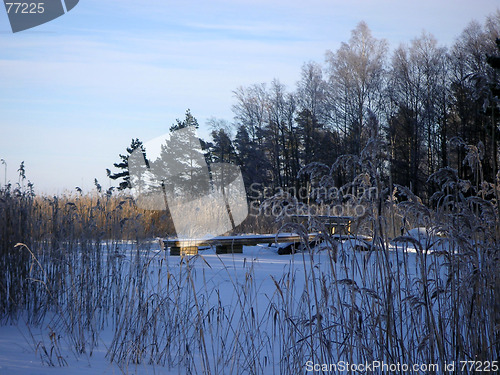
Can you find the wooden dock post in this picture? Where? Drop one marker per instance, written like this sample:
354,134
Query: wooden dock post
183,250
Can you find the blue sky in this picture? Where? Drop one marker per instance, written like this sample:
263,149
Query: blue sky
73,92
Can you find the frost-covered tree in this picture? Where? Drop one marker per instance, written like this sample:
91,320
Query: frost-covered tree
471,79
417,128
356,78
493,104
250,109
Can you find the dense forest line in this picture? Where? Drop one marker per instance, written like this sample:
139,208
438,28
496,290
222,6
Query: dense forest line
426,105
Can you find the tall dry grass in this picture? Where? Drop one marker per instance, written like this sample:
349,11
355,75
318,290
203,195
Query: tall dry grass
87,268
59,229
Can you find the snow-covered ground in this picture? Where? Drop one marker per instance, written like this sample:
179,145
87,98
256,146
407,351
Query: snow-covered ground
255,292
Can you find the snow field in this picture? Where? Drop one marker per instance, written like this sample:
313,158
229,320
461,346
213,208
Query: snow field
255,313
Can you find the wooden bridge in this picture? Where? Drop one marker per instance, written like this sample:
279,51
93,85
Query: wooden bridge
337,225
230,244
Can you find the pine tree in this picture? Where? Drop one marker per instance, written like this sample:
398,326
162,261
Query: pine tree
254,164
222,150
123,174
182,166
190,120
